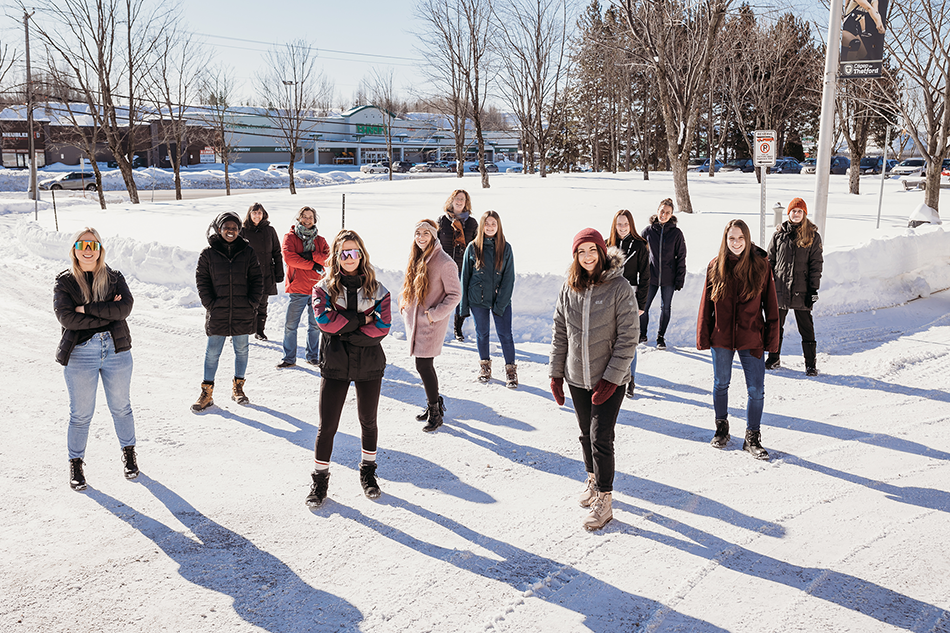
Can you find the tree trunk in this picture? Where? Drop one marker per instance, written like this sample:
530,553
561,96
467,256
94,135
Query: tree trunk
227,178
680,184
932,187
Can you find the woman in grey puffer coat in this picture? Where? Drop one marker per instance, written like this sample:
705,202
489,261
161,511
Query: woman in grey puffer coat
595,334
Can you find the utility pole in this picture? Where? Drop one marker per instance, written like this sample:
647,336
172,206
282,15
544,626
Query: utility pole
826,132
34,194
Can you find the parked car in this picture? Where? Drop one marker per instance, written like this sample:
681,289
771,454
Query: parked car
809,165
704,165
786,165
872,165
375,168
402,166
745,165
431,166
70,180
517,169
840,164
491,168
137,161
278,167
909,166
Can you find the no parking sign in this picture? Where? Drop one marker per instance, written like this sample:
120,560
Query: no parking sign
765,148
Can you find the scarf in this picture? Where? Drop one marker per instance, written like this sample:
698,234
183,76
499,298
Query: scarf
308,236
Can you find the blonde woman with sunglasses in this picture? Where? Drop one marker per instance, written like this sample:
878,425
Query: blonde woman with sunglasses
92,302
352,310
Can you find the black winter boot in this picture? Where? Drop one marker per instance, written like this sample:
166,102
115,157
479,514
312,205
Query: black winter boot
459,320
318,490
436,409
130,467
368,480
753,444
630,389
721,438
810,351
261,320
77,480
773,361
425,412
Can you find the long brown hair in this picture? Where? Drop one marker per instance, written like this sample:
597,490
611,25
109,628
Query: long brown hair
748,274
579,279
479,242
448,203
99,289
614,238
334,272
416,282
806,233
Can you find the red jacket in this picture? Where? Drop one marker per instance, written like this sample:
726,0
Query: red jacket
301,277
731,323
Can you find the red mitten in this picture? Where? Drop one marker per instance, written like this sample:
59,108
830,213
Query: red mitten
603,391
557,388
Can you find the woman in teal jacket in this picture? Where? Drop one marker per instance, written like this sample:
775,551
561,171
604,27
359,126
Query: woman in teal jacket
488,280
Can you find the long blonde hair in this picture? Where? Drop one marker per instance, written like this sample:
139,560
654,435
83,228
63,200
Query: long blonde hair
416,283
334,272
806,233
479,242
748,273
100,275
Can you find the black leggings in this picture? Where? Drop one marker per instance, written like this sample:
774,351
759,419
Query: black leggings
426,369
597,423
806,326
332,397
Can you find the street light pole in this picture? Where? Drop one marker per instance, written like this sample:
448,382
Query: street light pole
34,194
827,130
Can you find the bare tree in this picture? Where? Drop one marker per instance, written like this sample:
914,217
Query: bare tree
8,59
676,39
536,38
177,62
475,67
384,98
85,39
217,97
919,45
293,90
442,42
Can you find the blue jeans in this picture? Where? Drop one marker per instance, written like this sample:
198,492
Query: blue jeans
754,369
213,353
633,367
666,300
94,358
298,302
483,317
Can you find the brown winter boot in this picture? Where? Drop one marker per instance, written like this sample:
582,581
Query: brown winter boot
586,497
600,511
204,400
484,370
237,392
511,376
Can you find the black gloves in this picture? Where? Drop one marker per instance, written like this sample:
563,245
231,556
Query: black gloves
811,298
308,255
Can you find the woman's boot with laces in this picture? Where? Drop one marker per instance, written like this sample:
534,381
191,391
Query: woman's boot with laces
601,511
586,497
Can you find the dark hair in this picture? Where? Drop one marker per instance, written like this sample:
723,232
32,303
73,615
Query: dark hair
257,206
614,238
748,273
479,242
579,279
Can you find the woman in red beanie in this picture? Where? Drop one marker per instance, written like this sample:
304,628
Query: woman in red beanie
795,255
595,334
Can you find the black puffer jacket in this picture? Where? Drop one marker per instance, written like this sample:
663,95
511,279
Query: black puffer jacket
447,233
263,239
100,316
667,253
636,267
230,285
797,271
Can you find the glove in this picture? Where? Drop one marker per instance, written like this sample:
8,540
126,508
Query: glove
603,391
678,287
318,268
557,388
308,255
811,299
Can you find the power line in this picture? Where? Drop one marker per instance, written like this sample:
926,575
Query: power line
311,48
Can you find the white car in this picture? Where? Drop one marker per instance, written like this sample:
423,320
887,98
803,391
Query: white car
909,167
279,167
375,168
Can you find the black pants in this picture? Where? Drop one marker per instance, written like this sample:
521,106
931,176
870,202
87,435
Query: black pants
430,380
597,423
332,397
262,309
806,327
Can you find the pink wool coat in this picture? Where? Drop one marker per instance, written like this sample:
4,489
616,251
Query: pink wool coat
445,292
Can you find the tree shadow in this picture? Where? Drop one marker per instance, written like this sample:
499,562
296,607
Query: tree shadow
863,596
654,492
265,591
606,608
399,466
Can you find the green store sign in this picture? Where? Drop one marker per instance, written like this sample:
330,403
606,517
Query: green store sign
371,130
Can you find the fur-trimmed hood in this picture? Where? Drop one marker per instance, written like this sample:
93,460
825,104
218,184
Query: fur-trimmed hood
655,219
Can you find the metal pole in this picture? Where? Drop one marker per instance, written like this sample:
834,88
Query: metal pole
765,170
34,194
343,217
880,197
827,130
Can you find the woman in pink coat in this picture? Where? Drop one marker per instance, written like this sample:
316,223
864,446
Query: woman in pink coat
430,293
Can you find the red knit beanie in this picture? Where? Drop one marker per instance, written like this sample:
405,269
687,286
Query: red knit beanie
797,203
589,235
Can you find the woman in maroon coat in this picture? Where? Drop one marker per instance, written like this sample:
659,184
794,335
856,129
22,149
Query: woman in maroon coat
738,313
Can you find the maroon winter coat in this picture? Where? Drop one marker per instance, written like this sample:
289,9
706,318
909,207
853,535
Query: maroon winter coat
731,323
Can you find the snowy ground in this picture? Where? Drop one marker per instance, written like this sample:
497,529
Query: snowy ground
843,530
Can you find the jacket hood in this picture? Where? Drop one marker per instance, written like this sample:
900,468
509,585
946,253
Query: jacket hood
614,263
655,220
215,227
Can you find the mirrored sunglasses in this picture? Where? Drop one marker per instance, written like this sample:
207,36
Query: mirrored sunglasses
353,253
87,245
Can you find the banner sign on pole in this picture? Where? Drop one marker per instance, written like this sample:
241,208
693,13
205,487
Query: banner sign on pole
862,38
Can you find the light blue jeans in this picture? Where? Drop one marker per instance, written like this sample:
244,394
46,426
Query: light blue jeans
94,358
296,305
754,370
213,353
